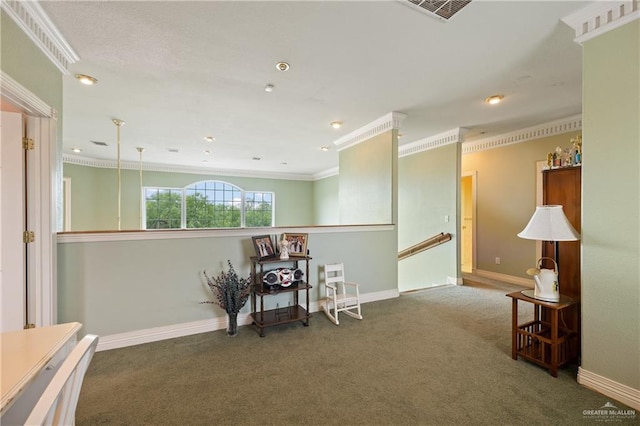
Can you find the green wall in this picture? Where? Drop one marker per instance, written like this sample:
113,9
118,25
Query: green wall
506,199
94,195
326,202
24,62
427,193
367,180
611,206
123,286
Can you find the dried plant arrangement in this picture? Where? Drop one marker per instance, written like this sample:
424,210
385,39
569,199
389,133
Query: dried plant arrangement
231,293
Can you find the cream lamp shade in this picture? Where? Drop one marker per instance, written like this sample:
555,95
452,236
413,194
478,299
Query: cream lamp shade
549,223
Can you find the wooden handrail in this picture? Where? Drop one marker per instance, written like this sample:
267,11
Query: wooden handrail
436,240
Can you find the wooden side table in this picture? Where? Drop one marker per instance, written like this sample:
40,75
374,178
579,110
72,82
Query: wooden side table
547,340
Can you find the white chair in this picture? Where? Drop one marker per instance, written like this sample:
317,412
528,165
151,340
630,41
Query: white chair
341,295
57,405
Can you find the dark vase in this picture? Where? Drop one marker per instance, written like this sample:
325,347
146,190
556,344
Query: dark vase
232,327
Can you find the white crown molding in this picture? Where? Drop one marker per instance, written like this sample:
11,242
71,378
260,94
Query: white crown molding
445,138
22,98
383,124
135,165
334,171
552,128
601,17
35,23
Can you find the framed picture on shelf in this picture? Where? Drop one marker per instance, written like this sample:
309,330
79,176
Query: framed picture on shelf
297,244
263,246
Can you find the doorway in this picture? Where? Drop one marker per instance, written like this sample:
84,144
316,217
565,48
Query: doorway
27,230
467,224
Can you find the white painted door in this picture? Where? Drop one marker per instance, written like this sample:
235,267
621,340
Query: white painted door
12,213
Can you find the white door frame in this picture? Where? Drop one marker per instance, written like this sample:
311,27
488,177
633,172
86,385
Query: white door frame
42,206
474,237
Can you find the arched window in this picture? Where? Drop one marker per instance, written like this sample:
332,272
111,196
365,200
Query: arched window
207,204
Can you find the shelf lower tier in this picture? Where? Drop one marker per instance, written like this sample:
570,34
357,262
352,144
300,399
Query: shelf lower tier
280,316
534,343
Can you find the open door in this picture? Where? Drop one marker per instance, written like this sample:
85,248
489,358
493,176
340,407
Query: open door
13,265
27,210
467,225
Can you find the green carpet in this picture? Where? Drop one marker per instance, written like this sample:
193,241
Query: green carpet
436,357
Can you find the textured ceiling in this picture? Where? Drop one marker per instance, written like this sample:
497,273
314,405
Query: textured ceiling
178,71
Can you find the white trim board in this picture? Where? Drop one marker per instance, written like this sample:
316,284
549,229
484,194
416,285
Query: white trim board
138,337
87,237
35,23
445,138
623,393
383,124
601,17
169,168
556,127
504,278
23,98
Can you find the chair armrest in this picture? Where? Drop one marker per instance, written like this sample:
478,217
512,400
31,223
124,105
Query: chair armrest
331,286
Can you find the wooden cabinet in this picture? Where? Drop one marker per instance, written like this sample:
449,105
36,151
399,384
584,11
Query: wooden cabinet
563,187
260,290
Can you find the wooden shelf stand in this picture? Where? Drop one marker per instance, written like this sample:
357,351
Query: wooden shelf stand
280,315
546,343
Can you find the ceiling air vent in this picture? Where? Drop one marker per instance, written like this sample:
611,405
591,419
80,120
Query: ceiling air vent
99,143
440,9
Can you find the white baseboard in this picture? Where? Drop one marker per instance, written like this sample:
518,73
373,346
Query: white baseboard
137,337
380,295
623,393
455,280
504,278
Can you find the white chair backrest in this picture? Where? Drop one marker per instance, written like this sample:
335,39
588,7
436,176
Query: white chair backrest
57,405
334,273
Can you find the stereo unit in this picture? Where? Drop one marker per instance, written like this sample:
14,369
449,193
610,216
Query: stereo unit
282,277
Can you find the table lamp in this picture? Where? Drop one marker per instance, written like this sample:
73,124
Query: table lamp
549,223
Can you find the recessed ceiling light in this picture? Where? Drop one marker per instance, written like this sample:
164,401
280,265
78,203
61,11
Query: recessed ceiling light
76,150
86,79
205,161
99,143
282,66
256,158
336,124
495,99
172,149
284,163
209,138
324,148
268,88
207,152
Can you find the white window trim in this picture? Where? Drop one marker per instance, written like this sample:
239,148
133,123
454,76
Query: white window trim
183,204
